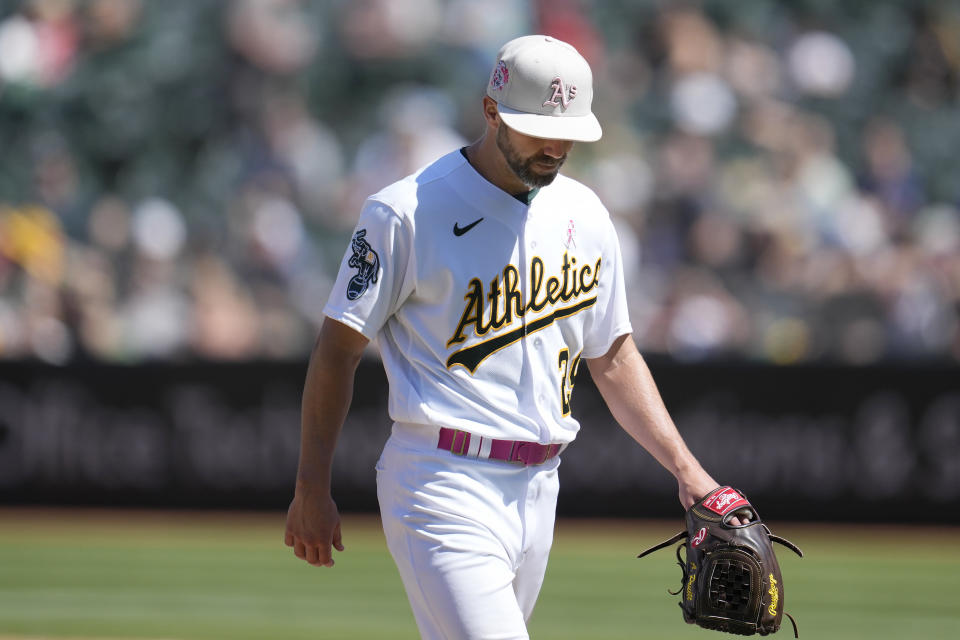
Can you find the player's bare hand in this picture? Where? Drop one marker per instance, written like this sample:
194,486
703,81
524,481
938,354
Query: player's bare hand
694,486
313,525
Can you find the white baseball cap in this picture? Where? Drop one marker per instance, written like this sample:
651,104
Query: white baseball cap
544,88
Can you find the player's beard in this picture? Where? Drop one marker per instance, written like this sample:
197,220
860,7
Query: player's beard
523,167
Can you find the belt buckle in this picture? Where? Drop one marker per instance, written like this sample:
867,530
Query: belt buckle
527,451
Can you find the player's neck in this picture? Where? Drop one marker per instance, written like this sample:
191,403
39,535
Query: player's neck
484,156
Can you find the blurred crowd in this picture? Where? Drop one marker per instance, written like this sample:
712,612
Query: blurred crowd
179,180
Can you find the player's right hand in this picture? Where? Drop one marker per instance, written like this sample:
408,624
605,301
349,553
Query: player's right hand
313,525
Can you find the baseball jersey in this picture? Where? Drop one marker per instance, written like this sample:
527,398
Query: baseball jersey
483,306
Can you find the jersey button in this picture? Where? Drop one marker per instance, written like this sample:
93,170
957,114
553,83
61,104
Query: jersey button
537,343
533,244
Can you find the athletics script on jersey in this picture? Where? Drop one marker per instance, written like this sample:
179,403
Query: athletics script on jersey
509,311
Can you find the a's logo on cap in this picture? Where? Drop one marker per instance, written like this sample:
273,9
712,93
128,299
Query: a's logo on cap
501,76
561,95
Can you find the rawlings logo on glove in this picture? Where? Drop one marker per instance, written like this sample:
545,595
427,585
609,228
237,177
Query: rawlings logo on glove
731,579
724,500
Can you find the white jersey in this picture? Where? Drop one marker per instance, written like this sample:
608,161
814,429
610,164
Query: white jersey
483,306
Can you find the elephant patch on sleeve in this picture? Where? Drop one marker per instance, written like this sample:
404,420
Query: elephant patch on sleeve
367,263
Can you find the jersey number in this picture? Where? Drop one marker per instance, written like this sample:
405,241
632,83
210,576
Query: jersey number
568,376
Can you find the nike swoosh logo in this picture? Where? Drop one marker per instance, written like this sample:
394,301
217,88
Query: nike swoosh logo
459,231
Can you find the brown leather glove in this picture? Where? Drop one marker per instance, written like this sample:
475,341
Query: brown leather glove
731,577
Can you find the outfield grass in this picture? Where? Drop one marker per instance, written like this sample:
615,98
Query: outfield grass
183,576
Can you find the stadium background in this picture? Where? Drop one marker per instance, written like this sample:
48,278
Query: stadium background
179,180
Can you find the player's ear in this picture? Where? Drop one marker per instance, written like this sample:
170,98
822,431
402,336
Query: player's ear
490,113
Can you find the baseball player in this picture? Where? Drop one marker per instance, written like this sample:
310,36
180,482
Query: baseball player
487,279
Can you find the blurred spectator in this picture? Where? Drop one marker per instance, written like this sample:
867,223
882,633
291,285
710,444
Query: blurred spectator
385,29
180,179
273,35
415,128
889,175
821,64
110,23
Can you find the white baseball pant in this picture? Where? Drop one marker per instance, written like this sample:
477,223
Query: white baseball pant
470,537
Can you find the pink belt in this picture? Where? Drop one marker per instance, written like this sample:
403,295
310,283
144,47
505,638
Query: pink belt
463,443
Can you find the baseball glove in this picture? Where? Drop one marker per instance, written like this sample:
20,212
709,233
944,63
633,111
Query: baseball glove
731,579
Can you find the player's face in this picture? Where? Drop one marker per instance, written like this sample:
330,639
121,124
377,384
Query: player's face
536,161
